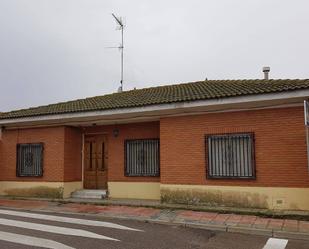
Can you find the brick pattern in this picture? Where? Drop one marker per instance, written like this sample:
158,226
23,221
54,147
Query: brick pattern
62,151
280,147
72,154
53,161
62,146
279,143
1,153
116,147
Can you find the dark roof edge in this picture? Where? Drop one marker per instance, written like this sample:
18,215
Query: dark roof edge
162,104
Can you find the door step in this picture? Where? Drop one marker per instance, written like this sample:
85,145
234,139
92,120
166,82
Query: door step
90,194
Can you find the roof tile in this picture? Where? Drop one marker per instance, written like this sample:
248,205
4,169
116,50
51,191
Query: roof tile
201,90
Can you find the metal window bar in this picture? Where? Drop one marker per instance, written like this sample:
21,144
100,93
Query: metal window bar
231,156
29,160
142,157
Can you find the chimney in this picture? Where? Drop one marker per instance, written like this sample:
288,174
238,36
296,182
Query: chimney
119,89
266,72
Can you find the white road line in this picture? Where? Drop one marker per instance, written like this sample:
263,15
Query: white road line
53,229
273,243
32,241
66,220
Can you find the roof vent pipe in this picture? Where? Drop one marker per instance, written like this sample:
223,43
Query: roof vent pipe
266,71
119,89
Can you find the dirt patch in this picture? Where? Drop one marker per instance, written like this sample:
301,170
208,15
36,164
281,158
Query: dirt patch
214,198
40,192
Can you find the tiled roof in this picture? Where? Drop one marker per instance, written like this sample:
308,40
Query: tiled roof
201,90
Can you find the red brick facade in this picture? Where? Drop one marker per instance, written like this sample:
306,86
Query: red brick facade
62,146
72,154
280,147
116,147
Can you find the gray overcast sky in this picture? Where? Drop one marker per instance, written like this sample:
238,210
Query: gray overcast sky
54,50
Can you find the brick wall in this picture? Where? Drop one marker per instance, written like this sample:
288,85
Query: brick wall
72,154
62,151
53,139
1,153
280,146
116,147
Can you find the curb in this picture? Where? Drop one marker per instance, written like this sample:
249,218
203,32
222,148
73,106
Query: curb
249,230
172,222
234,229
220,228
277,214
291,235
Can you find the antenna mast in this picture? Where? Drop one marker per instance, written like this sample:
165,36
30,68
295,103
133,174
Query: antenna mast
121,27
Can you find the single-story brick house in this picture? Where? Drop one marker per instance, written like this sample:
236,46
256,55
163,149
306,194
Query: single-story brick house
217,142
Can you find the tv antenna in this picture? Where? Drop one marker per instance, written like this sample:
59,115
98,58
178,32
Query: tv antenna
120,27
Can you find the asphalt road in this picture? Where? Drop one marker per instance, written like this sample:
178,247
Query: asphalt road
19,229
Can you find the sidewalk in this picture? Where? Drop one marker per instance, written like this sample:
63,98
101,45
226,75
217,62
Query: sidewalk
249,224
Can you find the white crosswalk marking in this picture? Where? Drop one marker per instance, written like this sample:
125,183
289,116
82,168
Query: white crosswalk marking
53,229
32,241
66,220
273,243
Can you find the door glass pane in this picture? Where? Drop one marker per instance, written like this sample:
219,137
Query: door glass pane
102,157
90,156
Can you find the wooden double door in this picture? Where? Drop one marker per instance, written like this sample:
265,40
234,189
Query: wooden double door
95,162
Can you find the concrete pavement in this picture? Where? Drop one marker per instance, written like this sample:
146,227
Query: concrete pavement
248,224
28,229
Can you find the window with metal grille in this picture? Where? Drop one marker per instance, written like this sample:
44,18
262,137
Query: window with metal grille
142,157
231,156
29,159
